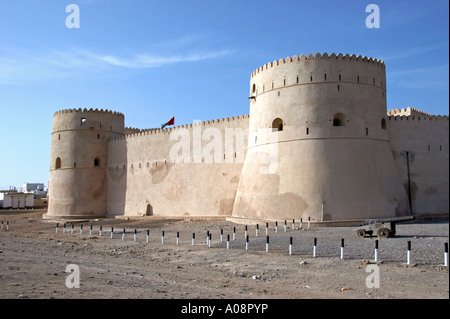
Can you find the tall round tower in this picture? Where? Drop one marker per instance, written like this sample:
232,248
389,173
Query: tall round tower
78,159
328,141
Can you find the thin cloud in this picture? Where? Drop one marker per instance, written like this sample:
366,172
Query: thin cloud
414,51
435,78
21,67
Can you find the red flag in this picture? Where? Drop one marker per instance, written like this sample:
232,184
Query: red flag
171,122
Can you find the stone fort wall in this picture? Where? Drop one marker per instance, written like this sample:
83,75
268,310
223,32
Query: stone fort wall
189,170
420,146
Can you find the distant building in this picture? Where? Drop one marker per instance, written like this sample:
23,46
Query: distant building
35,188
10,199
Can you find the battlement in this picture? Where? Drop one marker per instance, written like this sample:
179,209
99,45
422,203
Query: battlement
408,111
66,111
142,132
318,56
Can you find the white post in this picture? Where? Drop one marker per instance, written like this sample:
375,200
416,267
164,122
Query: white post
228,241
342,248
290,246
71,229
178,238
267,244
90,231
276,227
246,243
257,230
221,235
209,240
207,237
123,234
408,254
293,224
245,235
309,222
285,225
267,229
100,231
56,226
193,239
135,233
234,233
314,248
446,254
376,250
112,232
81,229
162,238
64,228
148,235
301,223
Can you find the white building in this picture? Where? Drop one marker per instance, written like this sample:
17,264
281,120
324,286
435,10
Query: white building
16,200
35,188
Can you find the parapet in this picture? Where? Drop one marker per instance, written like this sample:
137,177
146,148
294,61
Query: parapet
407,112
79,110
135,132
318,56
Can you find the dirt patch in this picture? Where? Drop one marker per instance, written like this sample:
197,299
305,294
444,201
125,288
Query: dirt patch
34,257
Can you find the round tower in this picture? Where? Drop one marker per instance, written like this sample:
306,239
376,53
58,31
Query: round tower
78,159
319,142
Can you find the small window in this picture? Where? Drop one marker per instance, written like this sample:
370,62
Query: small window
310,78
367,131
325,76
254,88
339,119
297,79
74,164
373,81
58,163
357,78
59,137
307,131
97,162
338,87
383,124
277,125
83,120
340,78
98,136
284,82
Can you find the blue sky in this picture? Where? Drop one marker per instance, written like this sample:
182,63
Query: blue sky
192,59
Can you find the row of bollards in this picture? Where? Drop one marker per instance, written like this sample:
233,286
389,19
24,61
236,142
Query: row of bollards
7,225
246,238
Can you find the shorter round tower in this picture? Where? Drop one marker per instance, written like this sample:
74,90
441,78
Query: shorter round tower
78,159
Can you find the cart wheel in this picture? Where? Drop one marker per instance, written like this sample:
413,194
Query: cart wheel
361,232
383,233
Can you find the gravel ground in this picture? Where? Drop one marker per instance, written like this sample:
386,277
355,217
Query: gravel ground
33,261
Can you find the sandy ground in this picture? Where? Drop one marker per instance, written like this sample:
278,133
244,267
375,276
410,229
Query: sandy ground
33,261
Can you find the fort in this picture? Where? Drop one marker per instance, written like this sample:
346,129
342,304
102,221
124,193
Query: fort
319,143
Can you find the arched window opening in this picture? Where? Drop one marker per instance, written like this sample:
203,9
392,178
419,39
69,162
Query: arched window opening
58,163
277,125
339,119
383,124
97,162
